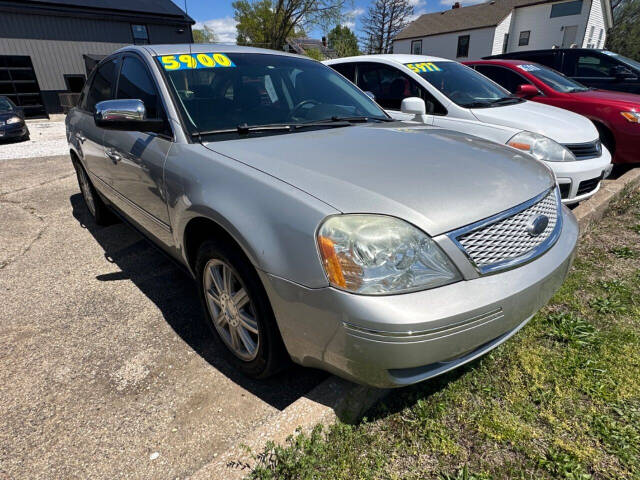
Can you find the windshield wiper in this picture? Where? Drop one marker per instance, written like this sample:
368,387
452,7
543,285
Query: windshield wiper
505,100
479,104
358,119
244,129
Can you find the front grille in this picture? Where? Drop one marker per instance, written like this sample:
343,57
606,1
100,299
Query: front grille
504,241
587,186
583,151
565,189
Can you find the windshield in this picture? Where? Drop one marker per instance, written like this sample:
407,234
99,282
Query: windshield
554,79
632,63
463,85
218,92
5,105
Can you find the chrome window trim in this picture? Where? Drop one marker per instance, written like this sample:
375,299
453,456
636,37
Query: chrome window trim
514,262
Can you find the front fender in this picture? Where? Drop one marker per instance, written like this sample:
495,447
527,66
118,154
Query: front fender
272,221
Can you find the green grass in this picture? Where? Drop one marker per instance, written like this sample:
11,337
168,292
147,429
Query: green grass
560,400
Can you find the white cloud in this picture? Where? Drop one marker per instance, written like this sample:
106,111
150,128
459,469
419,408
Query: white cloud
419,8
224,28
356,12
350,18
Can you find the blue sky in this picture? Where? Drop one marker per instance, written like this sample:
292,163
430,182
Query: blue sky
218,14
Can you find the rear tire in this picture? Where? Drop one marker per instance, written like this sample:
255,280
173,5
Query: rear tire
97,208
238,311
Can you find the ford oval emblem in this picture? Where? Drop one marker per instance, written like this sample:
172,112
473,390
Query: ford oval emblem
537,225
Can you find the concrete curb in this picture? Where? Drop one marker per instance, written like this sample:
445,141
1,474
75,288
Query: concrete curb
336,398
333,399
593,209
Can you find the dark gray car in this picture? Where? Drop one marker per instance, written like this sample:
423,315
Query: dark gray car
317,228
12,124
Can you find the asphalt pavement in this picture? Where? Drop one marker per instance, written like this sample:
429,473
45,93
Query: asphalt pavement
106,368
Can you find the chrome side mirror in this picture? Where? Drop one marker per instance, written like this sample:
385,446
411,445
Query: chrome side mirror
127,115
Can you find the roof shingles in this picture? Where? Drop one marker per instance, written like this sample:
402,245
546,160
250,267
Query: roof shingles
482,15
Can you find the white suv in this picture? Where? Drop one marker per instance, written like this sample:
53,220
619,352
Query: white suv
447,94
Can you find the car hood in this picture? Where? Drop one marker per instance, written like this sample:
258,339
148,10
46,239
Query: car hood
5,115
436,179
618,98
560,125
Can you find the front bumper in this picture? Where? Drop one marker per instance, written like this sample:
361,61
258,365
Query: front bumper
578,180
14,130
397,340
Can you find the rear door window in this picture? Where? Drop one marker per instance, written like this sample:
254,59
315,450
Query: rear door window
587,65
348,70
503,76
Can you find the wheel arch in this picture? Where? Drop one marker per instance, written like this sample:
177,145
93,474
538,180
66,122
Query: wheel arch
607,136
200,228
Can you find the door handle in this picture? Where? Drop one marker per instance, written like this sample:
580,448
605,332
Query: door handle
114,156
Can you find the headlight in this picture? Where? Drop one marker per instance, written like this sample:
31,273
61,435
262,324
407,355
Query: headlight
12,120
377,254
633,117
541,147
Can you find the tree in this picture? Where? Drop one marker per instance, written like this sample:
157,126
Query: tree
383,21
204,35
343,41
624,37
268,23
315,54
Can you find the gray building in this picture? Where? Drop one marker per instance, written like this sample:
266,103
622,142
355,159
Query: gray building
47,47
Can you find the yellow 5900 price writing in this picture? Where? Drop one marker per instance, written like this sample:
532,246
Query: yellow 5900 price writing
187,61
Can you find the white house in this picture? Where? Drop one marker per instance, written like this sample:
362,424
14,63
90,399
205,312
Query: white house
501,26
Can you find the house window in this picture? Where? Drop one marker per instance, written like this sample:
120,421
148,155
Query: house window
590,41
565,9
140,34
524,38
463,46
505,43
599,45
416,47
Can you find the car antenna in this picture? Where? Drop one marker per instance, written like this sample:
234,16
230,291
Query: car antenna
186,11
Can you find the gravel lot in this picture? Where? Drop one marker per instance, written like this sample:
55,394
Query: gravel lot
106,369
47,139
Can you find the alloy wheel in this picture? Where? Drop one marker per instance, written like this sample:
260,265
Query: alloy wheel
231,309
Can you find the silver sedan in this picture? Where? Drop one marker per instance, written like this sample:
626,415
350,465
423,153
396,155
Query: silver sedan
317,228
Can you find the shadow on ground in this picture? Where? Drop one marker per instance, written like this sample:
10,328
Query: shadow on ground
172,290
406,397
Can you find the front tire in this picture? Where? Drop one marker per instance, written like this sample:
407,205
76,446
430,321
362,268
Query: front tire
238,311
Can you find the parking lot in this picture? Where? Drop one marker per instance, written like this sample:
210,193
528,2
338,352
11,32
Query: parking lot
107,369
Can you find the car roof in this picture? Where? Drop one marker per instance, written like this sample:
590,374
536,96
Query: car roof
500,61
546,50
389,57
180,48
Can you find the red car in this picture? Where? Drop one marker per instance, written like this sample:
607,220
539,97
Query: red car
615,114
